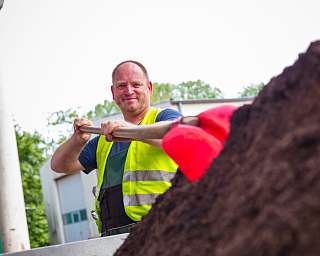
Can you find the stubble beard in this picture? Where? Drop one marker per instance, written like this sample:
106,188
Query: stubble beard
136,109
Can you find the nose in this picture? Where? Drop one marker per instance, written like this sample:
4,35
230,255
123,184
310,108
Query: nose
129,89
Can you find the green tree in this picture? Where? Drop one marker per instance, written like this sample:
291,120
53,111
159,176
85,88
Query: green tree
184,91
251,90
61,116
195,90
59,125
161,92
31,150
101,110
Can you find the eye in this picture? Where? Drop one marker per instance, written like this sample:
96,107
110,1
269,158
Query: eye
136,84
121,85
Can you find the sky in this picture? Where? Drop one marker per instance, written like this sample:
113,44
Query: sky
58,54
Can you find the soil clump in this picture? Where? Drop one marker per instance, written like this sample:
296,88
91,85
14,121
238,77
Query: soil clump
261,194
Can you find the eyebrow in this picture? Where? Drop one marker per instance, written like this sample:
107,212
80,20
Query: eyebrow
121,82
125,82
137,81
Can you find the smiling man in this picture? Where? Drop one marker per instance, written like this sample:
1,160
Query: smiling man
131,90
130,174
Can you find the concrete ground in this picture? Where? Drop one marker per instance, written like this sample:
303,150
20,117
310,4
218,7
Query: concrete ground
105,246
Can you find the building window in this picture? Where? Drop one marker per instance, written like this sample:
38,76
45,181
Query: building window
83,214
74,217
69,218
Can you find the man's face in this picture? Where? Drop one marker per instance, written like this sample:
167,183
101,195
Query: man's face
131,90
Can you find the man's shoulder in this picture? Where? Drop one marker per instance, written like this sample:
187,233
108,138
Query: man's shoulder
167,114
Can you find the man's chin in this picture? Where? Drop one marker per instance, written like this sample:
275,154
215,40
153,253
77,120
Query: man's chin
131,109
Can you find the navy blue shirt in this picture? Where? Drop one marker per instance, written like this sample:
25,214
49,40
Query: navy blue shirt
118,153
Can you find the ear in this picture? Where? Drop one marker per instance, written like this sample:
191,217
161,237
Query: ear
150,87
112,88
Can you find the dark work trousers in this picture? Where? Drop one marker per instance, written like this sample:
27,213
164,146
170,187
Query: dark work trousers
113,216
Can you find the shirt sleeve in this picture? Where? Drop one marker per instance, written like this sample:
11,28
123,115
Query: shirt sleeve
88,155
168,114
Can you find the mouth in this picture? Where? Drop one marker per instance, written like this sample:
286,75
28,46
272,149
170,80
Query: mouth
129,100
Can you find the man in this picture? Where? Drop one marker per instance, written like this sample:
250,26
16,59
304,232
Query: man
130,174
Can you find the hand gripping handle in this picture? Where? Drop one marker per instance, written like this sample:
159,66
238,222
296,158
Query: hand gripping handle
142,132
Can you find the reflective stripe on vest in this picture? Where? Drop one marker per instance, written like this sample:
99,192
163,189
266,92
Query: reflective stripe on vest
147,172
139,199
148,175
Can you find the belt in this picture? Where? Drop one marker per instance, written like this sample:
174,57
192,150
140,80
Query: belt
118,230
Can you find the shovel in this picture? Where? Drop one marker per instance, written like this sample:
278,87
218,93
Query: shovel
142,132
214,121
193,142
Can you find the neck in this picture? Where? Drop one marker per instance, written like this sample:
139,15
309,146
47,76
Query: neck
135,118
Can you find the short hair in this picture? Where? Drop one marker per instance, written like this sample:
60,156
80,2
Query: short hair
144,70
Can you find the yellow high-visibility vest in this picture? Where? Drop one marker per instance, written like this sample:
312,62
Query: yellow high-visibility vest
147,173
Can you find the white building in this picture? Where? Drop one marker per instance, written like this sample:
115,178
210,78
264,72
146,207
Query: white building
69,198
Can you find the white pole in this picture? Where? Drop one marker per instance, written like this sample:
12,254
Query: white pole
13,222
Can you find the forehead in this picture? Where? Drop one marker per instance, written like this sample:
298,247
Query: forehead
129,71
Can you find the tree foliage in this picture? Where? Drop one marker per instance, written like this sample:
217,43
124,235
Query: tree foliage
61,116
31,150
100,110
251,90
195,90
161,92
184,91
59,128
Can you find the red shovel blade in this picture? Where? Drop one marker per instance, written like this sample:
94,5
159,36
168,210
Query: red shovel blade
192,149
216,121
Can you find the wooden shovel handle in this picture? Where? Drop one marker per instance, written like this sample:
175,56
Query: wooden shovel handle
141,132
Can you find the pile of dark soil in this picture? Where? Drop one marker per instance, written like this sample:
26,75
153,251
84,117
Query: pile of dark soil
262,194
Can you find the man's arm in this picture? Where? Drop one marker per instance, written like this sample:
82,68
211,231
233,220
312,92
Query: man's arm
65,158
165,115
154,142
